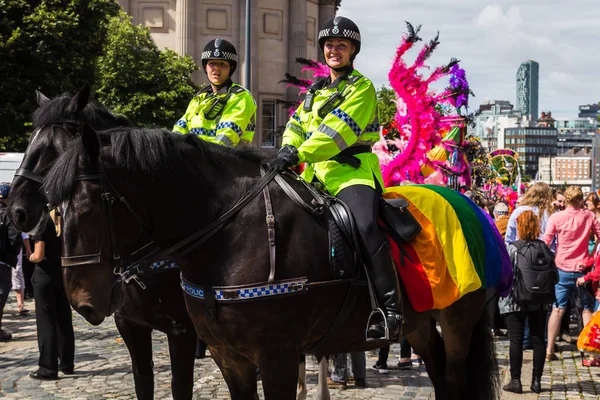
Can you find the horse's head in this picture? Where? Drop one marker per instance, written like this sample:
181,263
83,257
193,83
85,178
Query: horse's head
56,123
98,229
54,127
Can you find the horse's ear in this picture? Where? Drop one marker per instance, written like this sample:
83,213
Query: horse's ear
80,100
90,141
41,98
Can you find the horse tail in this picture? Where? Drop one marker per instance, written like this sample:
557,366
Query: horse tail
482,367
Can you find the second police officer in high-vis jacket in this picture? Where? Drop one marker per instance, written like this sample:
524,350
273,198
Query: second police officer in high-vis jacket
222,112
333,131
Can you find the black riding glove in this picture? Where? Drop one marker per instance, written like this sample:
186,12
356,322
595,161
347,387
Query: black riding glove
287,157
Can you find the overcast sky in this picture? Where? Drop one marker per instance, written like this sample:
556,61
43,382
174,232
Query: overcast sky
492,39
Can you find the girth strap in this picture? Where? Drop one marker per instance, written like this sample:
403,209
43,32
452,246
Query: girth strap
270,231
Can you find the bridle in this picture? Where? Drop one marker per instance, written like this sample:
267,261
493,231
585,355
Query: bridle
108,195
128,270
107,200
34,176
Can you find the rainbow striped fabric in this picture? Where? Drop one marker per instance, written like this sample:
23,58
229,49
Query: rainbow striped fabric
458,251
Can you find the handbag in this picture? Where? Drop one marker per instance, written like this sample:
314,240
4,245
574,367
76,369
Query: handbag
589,338
399,220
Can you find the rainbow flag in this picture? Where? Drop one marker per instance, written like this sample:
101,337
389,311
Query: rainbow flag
458,251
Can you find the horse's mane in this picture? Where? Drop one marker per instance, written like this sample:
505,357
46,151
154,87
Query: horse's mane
142,150
94,113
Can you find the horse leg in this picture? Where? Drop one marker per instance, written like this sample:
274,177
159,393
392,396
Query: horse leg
322,388
428,344
302,390
471,369
238,372
182,348
138,340
279,373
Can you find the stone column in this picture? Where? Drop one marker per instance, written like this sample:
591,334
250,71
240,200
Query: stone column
183,25
296,41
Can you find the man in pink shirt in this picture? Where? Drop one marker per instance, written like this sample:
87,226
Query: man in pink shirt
571,228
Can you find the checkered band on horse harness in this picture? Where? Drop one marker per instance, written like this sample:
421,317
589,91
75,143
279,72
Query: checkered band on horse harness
236,293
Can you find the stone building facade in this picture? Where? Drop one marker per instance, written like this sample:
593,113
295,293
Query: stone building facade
281,31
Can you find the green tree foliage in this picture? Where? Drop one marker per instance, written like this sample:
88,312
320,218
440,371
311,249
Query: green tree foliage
136,79
57,45
387,106
51,45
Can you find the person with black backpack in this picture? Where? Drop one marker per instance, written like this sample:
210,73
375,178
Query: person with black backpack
10,246
531,297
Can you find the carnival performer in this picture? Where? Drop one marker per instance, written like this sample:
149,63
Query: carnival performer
333,131
221,112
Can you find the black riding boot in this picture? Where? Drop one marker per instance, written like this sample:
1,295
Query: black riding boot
385,279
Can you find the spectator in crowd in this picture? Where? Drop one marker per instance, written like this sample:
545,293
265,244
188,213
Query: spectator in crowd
592,203
501,217
591,277
528,228
537,199
570,228
10,246
18,279
405,361
340,374
559,201
56,340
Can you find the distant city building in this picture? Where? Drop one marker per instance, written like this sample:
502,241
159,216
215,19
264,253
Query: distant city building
493,117
574,167
531,143
546,120
589,111
528,77
575,133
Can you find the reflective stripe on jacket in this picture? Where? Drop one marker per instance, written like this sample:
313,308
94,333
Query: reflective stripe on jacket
234,124
352,122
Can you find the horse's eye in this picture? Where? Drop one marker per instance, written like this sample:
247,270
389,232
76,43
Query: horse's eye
85,212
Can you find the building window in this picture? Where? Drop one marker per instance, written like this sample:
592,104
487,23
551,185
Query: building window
268,122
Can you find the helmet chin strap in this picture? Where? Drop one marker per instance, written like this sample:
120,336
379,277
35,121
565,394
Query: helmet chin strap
228,82
347,68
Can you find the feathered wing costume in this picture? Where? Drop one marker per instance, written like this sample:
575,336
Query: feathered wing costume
419,118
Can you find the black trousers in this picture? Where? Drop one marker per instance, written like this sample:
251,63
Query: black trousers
384,352
56,340
515,322
364,203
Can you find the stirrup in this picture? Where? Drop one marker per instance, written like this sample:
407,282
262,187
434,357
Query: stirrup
385,324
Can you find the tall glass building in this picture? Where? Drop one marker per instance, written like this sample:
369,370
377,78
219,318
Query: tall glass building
528,77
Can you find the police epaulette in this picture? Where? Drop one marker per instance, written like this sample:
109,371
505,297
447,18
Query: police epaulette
354,78
237,89
204,89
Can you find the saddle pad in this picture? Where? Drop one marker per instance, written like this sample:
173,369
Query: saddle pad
458,251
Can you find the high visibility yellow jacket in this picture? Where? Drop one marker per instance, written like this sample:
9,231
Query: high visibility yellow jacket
230,122
350,121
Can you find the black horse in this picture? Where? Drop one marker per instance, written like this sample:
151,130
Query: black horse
55,126
198,182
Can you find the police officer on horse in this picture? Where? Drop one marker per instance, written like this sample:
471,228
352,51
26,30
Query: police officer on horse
332,131
221,112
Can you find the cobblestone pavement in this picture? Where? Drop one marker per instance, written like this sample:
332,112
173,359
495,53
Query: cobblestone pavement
103,371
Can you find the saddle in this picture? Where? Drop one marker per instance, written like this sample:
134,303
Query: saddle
345,249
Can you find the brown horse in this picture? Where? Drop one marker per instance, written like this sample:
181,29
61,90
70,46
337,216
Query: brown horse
109,183
143,310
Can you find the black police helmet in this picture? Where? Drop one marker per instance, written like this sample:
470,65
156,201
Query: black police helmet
220,49
341,28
